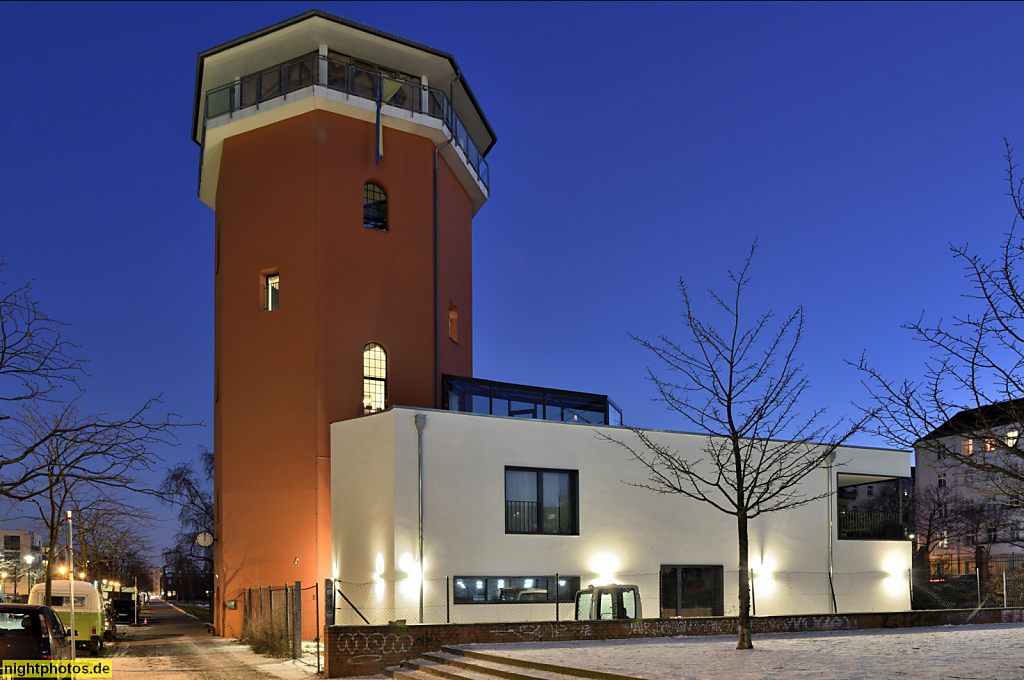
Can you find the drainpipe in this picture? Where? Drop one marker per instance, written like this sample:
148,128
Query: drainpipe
437,302
830,498
420,421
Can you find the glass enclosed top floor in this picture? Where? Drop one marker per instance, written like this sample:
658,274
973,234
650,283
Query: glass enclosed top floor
488,397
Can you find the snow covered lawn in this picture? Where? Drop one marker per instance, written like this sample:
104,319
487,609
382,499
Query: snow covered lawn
982,652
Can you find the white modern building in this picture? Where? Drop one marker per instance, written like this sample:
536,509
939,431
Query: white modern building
520,511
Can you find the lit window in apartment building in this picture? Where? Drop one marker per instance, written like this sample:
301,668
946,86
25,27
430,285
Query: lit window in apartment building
375,378
968,447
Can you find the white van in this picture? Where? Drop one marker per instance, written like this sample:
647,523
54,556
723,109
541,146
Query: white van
89,622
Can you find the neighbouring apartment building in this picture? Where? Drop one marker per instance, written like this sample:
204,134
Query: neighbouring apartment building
980,525
351,439
22,562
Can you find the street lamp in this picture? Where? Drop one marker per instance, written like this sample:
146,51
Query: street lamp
29,559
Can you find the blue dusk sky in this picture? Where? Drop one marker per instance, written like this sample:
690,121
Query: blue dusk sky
637,144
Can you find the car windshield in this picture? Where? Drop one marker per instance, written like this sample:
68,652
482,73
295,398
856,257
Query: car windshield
19,623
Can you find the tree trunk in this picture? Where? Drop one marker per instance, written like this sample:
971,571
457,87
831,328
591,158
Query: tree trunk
744,641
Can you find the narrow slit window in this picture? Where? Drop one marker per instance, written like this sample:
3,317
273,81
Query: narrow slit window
375,207
375,378
271,292
453,321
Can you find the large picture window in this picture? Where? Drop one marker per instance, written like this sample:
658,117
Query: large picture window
540,501
514,589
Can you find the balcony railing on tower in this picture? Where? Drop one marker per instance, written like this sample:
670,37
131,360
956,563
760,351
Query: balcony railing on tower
315,69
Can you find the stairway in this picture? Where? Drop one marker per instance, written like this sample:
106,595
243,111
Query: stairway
454,663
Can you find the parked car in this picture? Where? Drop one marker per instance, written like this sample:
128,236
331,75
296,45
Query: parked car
32,632
89,623
109,627
124,609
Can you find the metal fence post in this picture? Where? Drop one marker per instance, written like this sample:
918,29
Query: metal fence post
753,600
297,621
316,608
1004,589
287,612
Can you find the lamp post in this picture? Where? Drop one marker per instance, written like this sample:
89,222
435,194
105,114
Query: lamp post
29,559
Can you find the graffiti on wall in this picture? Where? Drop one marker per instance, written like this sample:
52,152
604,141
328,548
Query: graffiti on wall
544,631
669,627
363,648
798,624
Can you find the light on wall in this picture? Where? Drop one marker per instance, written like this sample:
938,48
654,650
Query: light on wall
764,582
897,570
605,565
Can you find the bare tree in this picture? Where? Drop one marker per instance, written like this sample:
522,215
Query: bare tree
112,537
935,523
74,459
190,491
973,384
34,359
742,386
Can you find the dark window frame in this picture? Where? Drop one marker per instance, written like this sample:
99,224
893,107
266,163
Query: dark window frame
375,207
574,502
371,379
562,594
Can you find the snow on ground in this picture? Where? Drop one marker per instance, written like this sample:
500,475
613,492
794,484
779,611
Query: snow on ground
982,652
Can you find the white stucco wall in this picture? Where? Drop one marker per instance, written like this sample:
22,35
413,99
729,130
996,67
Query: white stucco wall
625,533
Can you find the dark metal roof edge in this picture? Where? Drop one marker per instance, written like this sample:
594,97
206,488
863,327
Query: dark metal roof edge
344,22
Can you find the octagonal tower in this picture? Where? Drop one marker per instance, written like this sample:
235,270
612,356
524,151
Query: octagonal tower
344,166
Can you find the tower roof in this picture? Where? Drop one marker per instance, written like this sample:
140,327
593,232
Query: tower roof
266,47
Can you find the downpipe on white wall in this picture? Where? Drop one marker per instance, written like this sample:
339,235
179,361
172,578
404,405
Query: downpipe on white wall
420,421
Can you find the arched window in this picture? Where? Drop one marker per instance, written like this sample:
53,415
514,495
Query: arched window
375,378
375,207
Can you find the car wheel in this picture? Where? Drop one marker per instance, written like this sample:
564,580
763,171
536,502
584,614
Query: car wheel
94,647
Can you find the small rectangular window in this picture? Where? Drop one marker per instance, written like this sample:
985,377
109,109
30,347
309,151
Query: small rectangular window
272,291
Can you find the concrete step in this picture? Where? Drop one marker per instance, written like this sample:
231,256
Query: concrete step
456,663
535,666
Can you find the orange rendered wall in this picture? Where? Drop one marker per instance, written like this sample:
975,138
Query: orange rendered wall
290,199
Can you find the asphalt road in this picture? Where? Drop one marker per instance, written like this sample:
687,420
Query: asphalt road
175,646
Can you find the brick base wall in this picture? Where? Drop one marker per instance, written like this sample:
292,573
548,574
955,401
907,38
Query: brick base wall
367,650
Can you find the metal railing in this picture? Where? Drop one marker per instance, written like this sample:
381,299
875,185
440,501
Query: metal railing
871,525
521,516
314,69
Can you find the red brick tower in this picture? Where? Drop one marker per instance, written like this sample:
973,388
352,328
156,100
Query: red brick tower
345,167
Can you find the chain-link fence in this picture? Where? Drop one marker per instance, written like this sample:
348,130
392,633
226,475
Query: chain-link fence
276,619
968,591
672,592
